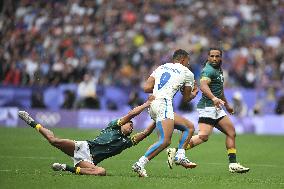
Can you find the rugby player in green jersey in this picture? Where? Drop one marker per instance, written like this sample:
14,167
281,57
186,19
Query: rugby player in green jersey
87,154
211,113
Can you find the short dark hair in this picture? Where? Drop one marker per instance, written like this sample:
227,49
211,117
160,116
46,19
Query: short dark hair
215,48
180,53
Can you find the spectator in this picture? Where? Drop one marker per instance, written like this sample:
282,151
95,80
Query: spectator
280,105
111,105
57,38
240,108
134,99
69,99
87,93
13,76
37,99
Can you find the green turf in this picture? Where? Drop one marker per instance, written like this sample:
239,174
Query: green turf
25,159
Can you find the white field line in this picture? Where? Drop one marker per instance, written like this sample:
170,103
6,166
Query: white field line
6,170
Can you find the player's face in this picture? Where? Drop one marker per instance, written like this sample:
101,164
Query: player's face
127,128
185,61
215,57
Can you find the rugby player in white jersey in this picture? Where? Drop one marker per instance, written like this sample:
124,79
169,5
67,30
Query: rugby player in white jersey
164,83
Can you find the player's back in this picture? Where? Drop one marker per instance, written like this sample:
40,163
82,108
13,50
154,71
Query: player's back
169,78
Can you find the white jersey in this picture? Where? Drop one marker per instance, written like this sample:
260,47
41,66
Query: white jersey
169,78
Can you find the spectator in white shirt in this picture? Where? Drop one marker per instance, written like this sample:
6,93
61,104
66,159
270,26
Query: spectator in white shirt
87,97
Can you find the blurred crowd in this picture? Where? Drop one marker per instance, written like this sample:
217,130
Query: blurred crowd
49,42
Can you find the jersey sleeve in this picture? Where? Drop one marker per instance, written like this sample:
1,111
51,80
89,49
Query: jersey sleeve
207,74
189,79
153,74
114,124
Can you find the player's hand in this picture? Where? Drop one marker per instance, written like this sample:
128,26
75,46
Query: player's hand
182,89
150,99
195,89
218,103
230,109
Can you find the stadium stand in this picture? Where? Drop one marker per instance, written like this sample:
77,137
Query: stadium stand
47,45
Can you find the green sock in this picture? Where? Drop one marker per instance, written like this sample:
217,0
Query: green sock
232,155
70,169
232,158
33,124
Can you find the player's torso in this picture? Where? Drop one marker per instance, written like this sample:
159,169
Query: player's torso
109,143
216,86
168,80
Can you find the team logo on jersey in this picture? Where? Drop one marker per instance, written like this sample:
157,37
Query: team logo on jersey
221,78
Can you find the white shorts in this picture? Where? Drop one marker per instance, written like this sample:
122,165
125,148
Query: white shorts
211,112
161,109
82,152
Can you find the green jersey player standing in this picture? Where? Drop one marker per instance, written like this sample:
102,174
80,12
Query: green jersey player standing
210,109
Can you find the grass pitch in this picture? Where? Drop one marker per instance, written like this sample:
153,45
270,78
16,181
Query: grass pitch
25,160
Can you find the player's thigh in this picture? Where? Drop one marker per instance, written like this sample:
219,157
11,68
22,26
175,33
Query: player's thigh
180,120
65,145
86,164
226,126
205,129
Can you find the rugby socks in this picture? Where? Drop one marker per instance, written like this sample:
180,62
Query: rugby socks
232,155
180,154
71,169
33,124
143,161
189,146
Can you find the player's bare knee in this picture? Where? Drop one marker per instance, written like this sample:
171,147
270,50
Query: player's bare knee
192,129
232,134
204,138
166,143
190,125
54,141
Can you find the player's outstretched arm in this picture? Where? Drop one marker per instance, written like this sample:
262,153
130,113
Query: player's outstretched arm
138,137
149,85
137,110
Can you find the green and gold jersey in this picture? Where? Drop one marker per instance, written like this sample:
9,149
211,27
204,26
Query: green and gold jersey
109,142
215,76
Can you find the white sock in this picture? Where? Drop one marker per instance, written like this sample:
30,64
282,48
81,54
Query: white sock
64,167
180,153
143,161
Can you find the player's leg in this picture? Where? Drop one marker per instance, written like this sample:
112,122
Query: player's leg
187,129
82,168
65,145
204,132
165,129
178,156
226,126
